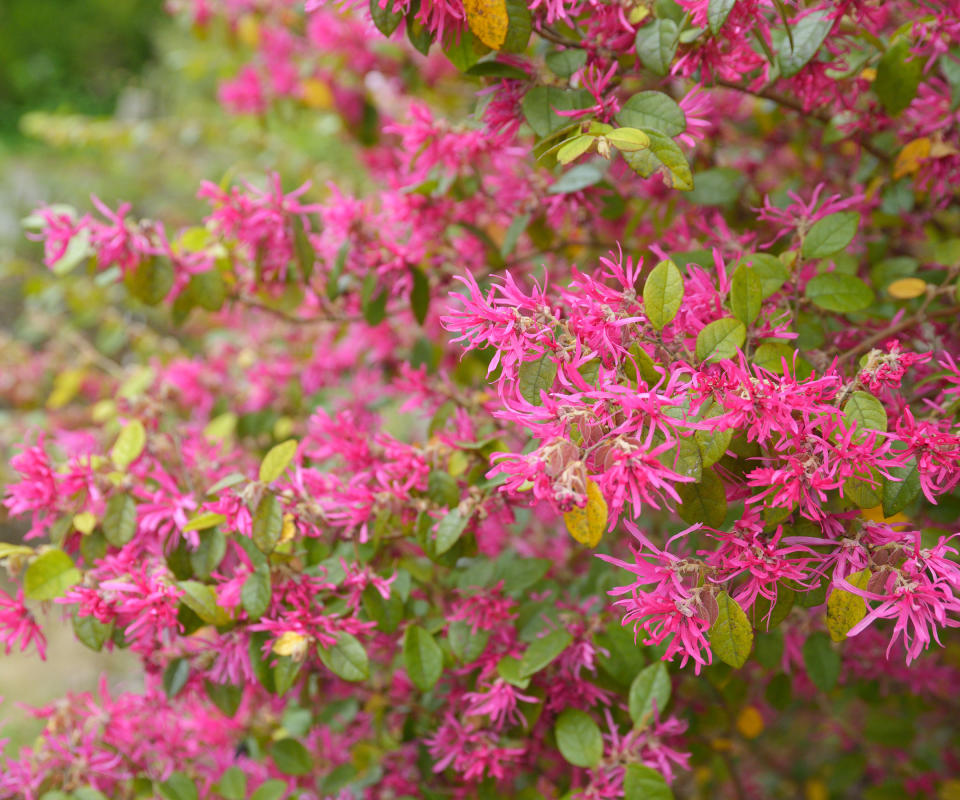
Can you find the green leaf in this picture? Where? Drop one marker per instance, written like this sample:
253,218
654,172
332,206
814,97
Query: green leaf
276,461
120,520
50,575
540,104
419,293
717,13
225,696
267,523
129,444
579,738
536,376
519,27
721,339
512,236
463,49
821,660
704,501
202,601
291,757
580,177
88,793
731,636
175,676
465,645
565,62
866,411
420,37
763,617
663,155
508,668
346,658
649,693
233,782
285,674
769,269
273,789
830,234
746,294
656,45
91,632
450,529
845,609
422,657
150,281
835,291
202,522
771,355
641,782
256,593
653,110
207,289
804,41
384,17
178,787
211,549
898,77
543,651
903,490
719,186
663,294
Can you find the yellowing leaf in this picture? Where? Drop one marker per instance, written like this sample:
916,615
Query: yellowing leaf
84,522
587,524
488,20
749,723
248,30
908,159
845,609
875,514
316,93
907,288
65,387
291,644
289,529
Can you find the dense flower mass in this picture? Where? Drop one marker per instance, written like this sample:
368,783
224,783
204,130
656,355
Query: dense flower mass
642,351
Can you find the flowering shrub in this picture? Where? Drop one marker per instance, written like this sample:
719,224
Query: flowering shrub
607,447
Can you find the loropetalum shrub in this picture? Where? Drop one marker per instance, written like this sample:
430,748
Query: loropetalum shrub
606,448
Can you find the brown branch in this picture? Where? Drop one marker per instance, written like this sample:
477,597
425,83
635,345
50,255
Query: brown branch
795,105
904,324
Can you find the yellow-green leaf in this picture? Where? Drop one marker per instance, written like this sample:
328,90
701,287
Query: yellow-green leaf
49,575
845,609
731,636
663,294
129,444
277,460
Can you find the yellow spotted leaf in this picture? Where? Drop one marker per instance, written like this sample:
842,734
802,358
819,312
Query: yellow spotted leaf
845,609
908,159
907,288
488,21
749,723
587,524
